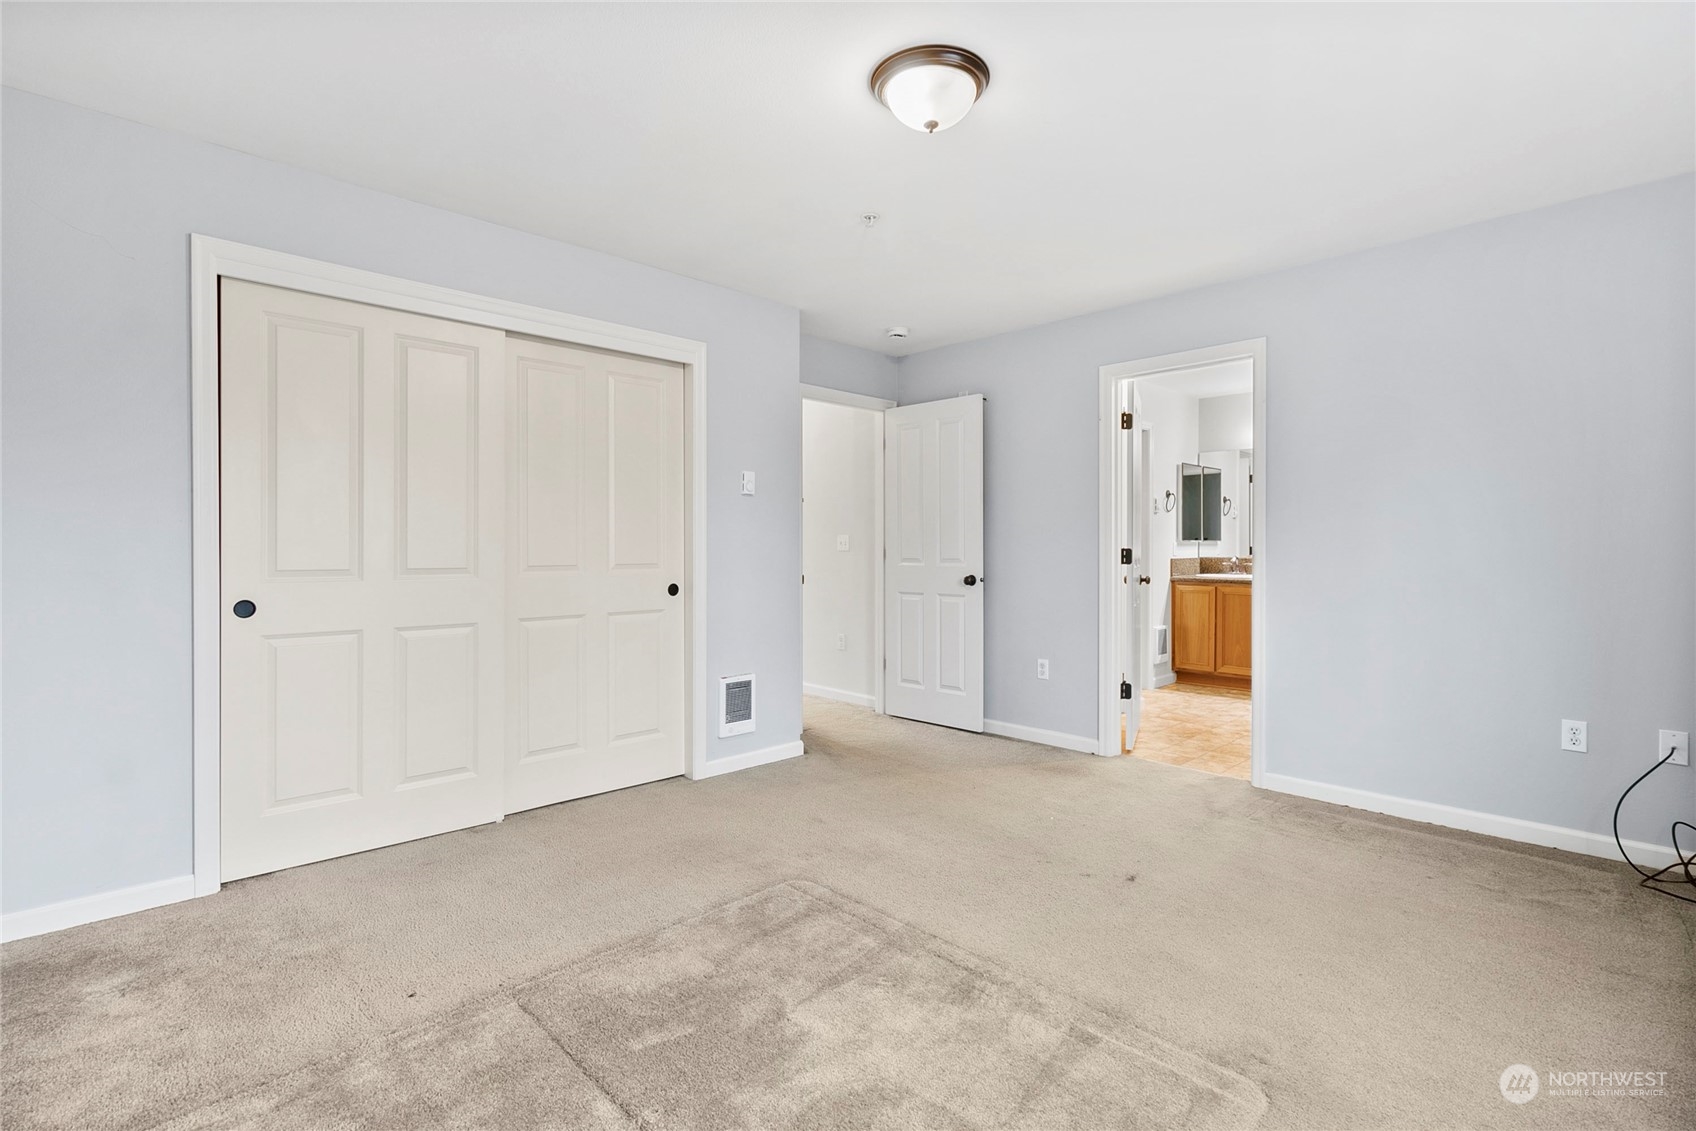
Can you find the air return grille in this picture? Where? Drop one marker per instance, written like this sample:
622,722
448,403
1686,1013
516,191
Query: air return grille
735,705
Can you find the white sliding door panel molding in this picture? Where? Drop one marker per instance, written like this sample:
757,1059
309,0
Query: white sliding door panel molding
933,563
362,511
596,634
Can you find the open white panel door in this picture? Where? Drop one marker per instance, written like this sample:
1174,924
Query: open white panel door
933,562
1131,518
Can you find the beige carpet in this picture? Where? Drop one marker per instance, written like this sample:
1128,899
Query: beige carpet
1361,971
794,1007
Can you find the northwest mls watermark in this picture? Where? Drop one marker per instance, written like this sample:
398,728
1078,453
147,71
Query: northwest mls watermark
1520,1084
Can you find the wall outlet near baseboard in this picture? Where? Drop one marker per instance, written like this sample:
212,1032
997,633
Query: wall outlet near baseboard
1042,669
842,642
1574,736
1679,742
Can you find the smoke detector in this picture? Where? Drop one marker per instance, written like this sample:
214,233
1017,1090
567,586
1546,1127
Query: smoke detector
896,332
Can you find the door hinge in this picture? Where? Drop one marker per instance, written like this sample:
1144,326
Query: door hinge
1124,557
1125,689
1125,419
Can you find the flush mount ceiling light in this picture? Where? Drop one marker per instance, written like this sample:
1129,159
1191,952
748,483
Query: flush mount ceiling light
930,88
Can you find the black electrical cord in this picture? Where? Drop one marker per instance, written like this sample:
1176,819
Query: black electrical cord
1650,880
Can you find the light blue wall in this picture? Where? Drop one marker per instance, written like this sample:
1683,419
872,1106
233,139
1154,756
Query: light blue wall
849,368
1481,493
1480,505
95,223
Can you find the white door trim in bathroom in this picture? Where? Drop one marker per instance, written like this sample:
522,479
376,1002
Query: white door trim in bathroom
212,259
1111,575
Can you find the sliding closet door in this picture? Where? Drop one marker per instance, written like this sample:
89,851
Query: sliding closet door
363,514
595,581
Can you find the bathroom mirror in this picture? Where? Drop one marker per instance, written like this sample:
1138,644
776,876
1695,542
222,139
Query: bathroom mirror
1200,502
1236,533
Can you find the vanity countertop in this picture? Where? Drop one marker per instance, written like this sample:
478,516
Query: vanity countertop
1211,578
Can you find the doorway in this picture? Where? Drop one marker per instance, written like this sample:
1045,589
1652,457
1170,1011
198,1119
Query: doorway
892,554
842,546
1183,559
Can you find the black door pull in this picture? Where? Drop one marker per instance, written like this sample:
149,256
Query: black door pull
672,589
245,609
971,579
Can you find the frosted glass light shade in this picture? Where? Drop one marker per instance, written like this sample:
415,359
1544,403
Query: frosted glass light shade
930,88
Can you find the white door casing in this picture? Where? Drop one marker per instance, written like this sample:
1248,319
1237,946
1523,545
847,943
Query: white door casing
596,521
214,260
362,513
1111,486
933,562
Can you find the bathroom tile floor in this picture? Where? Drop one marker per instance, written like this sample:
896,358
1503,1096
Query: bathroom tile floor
1194,725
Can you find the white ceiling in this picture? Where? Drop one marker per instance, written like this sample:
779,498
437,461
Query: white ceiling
1121,151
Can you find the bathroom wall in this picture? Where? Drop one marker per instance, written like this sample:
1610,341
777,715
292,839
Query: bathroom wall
1226,422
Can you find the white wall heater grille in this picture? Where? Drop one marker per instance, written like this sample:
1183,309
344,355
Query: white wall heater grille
735,705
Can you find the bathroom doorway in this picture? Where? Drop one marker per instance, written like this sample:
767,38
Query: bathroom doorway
1183,559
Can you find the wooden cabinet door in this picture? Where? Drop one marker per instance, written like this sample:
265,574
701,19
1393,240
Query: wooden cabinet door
1192,627
1232,606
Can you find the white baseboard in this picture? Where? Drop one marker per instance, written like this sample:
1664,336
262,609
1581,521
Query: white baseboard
89,908
1473,821
1164,679
1043,737
839,695
716,766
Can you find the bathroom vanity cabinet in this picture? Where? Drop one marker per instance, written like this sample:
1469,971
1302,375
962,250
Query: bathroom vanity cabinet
1211,630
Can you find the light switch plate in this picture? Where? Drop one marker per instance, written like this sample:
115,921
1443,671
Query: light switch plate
747,483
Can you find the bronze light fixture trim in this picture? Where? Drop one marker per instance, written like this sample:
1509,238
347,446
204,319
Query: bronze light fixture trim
924,86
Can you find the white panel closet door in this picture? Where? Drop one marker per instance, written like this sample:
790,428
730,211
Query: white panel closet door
362,503
596,636
933,562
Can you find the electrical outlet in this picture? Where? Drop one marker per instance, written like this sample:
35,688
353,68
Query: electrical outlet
841,642
1671,739
842,541
1574,736
1042,669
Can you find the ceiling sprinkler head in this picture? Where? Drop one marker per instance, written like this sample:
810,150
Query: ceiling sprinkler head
896,332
